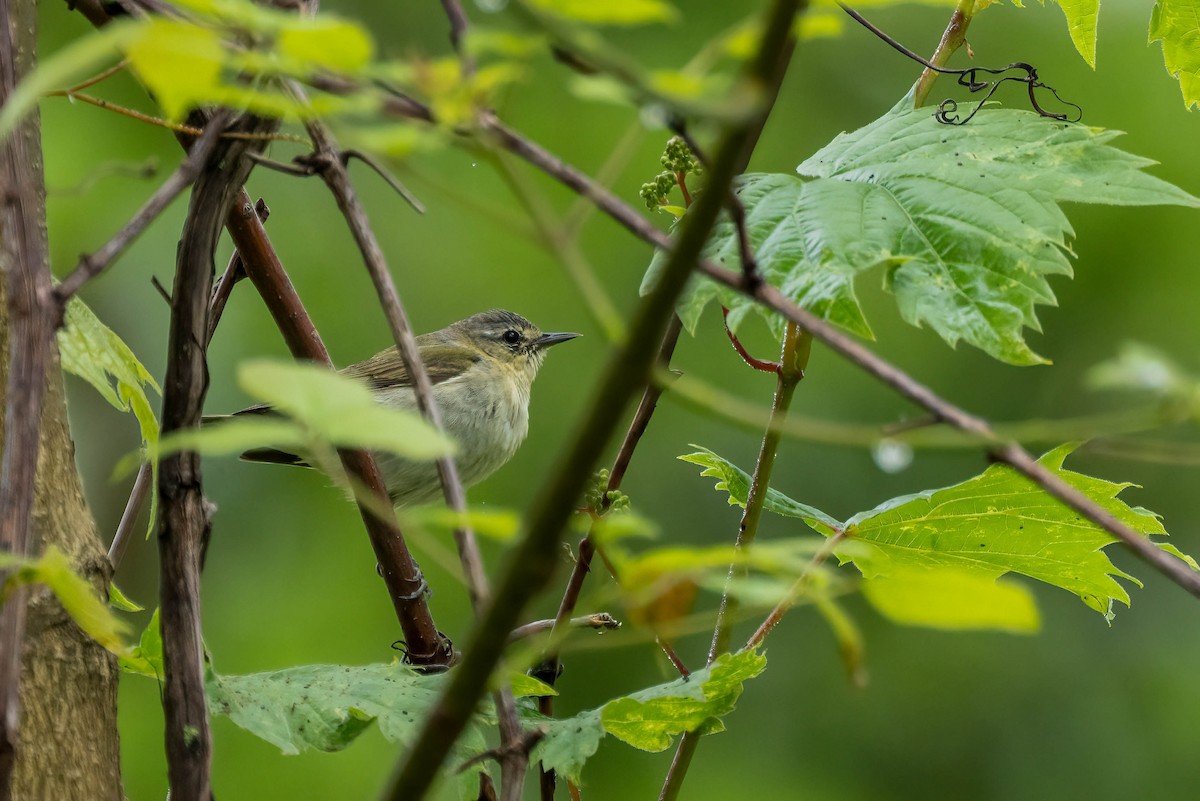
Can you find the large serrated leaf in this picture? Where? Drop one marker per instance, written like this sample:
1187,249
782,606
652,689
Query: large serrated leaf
650,718
980,529
964,218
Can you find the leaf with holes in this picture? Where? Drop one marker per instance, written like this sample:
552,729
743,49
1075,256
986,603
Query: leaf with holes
649,719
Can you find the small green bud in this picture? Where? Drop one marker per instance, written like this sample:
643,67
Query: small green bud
678,157
618,501
593,496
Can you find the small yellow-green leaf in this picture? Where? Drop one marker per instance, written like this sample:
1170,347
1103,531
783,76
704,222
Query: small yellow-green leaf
523,686
1081,22
119,600
608,12
953,600
502,525
146,658
179,62
327,42
650,718
75,594
650,721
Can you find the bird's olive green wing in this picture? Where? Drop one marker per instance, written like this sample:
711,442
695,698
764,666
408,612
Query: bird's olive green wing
385,369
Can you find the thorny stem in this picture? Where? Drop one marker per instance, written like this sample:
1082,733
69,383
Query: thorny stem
953,38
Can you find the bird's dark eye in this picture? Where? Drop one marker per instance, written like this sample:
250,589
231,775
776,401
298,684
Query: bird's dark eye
511,336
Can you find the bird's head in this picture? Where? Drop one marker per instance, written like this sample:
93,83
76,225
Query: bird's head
508,338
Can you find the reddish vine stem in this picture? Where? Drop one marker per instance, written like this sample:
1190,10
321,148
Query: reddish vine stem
757,364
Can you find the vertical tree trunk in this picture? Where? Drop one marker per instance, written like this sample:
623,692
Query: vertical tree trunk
68,745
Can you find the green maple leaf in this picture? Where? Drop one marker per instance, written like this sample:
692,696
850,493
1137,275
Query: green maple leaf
965,220
932,558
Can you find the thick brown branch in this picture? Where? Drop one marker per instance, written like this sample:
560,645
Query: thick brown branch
186,521
426,645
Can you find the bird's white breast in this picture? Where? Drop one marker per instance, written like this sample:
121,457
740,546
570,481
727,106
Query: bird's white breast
484,410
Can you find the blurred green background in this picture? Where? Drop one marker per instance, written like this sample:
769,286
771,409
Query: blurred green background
1081,711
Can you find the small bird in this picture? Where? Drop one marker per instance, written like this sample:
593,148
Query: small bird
481,369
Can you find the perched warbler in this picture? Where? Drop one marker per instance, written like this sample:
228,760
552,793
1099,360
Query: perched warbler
481,369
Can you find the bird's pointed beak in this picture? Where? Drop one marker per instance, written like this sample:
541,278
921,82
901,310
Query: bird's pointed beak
546,340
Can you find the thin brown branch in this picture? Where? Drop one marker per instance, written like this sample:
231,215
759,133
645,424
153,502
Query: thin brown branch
93,264
333,172
31,318
384,173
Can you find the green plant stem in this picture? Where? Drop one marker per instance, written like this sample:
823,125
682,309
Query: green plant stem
954,38
794,358
792,361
